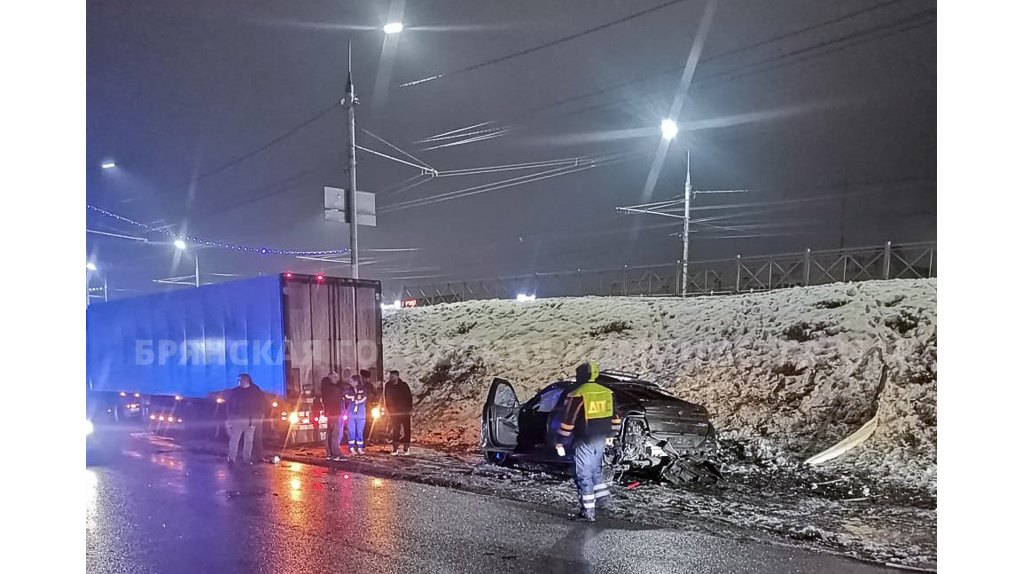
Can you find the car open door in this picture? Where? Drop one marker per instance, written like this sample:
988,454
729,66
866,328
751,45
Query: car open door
500,420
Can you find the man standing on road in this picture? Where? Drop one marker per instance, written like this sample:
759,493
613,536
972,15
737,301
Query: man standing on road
245,410
398,406
373,397
590,419
355,409
331,396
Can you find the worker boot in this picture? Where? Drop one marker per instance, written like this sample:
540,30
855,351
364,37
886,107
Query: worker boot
586,515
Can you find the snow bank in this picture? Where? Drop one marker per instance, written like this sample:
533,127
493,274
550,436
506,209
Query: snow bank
785,374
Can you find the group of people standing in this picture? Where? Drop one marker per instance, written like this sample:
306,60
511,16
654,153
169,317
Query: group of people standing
345,404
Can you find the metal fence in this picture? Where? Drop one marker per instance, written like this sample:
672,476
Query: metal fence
716,277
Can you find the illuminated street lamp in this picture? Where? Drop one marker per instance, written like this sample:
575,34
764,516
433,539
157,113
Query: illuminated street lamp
108,164
669,129
180,245
393,27
90,269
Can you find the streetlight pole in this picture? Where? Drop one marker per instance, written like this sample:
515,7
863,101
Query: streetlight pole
180,245
350,103
91,268
670,208
350,194
687,193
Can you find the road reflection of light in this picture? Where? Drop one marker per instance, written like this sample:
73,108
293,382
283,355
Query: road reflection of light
168,462
296,467
91,495
295,492
380,504
176,482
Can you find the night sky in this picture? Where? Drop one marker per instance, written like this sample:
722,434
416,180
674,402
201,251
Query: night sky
223,120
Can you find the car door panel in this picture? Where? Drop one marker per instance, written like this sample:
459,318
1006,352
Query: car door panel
501,416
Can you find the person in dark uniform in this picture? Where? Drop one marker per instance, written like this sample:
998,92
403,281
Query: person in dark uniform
398,406
589,419
331,396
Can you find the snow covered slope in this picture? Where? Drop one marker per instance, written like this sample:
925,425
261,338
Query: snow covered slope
785,374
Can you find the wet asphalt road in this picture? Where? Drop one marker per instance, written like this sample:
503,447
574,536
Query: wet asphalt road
156,508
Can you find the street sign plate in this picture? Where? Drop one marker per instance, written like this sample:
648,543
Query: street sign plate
334,207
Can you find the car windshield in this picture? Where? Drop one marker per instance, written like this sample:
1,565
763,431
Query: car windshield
549,399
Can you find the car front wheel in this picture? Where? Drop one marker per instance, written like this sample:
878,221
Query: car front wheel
496,458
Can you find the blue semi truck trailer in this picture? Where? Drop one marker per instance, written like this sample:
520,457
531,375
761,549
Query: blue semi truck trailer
166,360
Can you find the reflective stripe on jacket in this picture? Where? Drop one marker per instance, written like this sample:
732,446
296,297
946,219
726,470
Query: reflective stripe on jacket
589,411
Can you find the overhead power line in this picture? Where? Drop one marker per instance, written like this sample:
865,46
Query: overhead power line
399,150
837,44
675,69
267,145
546,45
520,180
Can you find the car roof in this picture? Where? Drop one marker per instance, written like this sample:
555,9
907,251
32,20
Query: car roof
613,381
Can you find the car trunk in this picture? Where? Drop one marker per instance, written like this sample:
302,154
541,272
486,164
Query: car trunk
684,425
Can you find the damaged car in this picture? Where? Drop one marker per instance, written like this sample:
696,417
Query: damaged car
661,435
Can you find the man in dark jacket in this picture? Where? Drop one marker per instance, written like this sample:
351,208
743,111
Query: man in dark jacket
398,406
245,410
331,395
